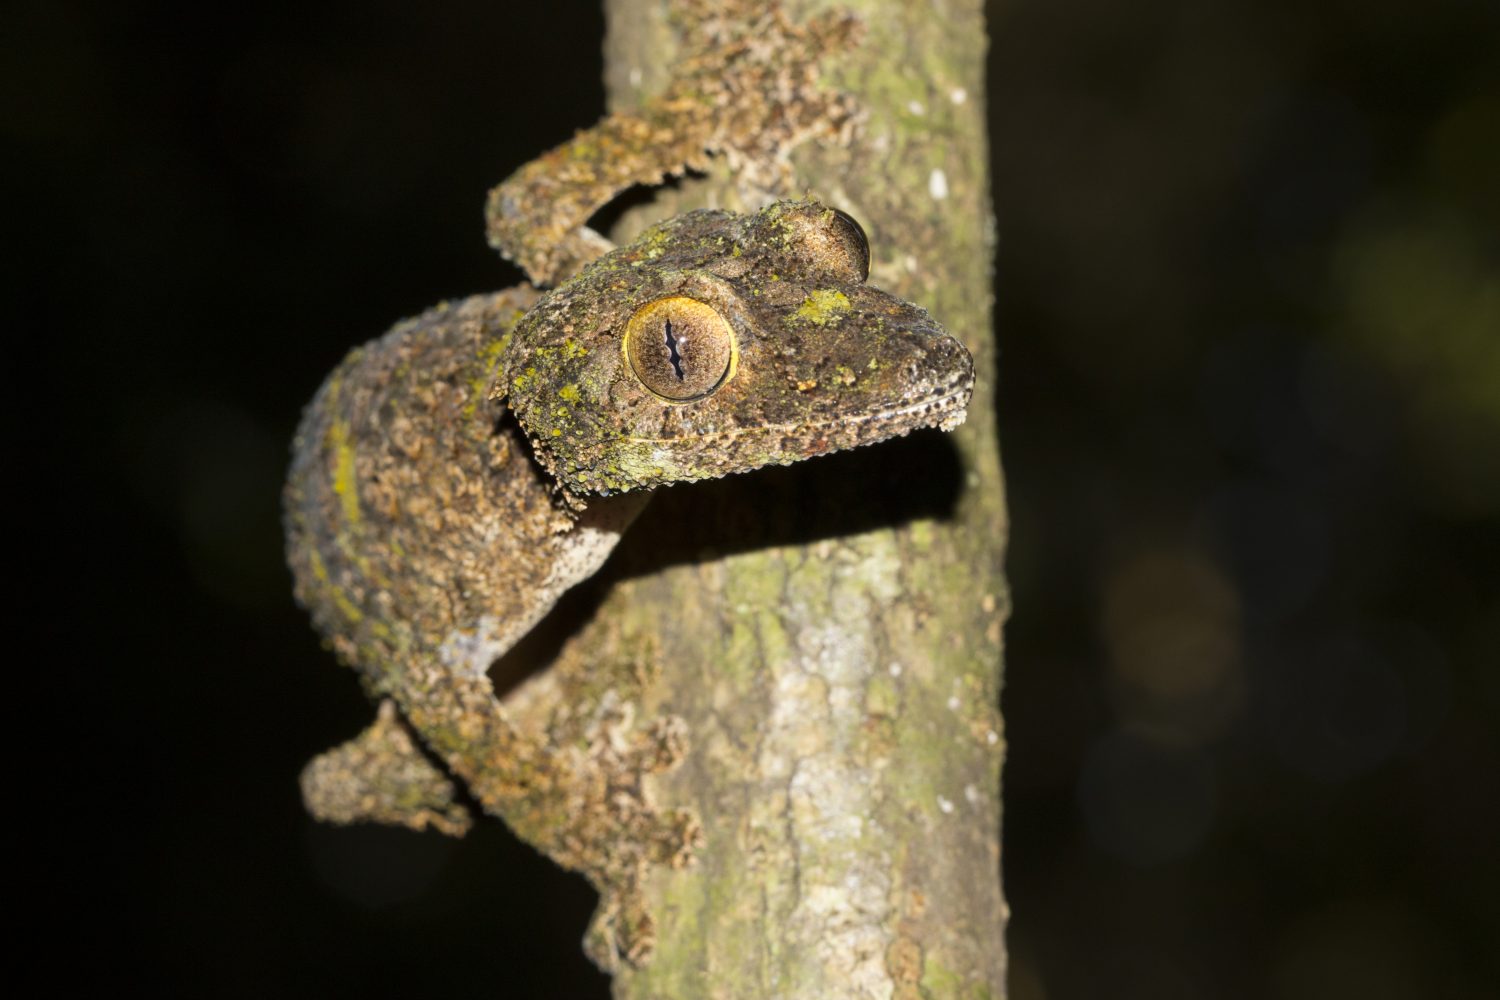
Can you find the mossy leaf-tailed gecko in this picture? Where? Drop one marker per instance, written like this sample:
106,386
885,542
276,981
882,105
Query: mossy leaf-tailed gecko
453,478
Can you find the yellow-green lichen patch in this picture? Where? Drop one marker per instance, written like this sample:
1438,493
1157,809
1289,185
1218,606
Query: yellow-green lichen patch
315,563
569,392
340,600
882,698
823,306
486,371
343,471
940,981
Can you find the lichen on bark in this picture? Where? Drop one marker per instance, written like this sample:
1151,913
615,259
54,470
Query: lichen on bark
831,634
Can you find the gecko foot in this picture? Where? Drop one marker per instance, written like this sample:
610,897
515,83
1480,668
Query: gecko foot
381,776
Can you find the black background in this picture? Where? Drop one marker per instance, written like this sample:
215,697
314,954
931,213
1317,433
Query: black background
1250,407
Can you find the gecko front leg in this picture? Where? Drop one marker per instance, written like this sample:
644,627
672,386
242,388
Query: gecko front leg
382,776
744,85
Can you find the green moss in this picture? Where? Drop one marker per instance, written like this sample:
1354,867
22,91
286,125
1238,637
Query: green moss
941,983
823,306
882,699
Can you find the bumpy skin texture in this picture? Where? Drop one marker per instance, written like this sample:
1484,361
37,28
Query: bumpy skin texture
453,478
412,792
824,361
744,86
412,506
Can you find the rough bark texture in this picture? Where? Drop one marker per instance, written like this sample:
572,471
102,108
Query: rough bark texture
831,633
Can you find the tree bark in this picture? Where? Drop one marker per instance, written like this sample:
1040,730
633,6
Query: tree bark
831,633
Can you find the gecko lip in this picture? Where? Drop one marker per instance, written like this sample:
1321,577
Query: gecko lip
949,407
944,408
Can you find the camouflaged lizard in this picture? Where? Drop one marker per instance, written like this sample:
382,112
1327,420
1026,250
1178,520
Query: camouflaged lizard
452,479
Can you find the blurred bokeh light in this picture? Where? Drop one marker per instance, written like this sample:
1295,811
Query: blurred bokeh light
1249,305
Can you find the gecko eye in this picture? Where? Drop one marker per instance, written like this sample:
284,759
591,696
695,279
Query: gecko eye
855,243
833,244
680,348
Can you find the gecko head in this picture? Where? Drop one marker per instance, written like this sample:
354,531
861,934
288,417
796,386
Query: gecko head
719,343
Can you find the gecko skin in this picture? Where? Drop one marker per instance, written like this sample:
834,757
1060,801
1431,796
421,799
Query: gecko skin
427,534
453,478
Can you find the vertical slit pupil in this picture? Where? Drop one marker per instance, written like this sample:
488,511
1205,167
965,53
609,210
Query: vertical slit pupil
672,354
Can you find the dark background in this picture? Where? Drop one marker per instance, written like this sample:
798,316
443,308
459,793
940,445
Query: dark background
1249,308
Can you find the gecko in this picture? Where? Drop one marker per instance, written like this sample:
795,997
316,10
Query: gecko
452,479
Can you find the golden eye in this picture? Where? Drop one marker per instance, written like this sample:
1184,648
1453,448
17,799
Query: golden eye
680,348
855,244
829,243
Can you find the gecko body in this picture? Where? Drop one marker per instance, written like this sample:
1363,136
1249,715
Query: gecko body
453,478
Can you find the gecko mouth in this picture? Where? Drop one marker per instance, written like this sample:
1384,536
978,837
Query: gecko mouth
944,406
945,409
